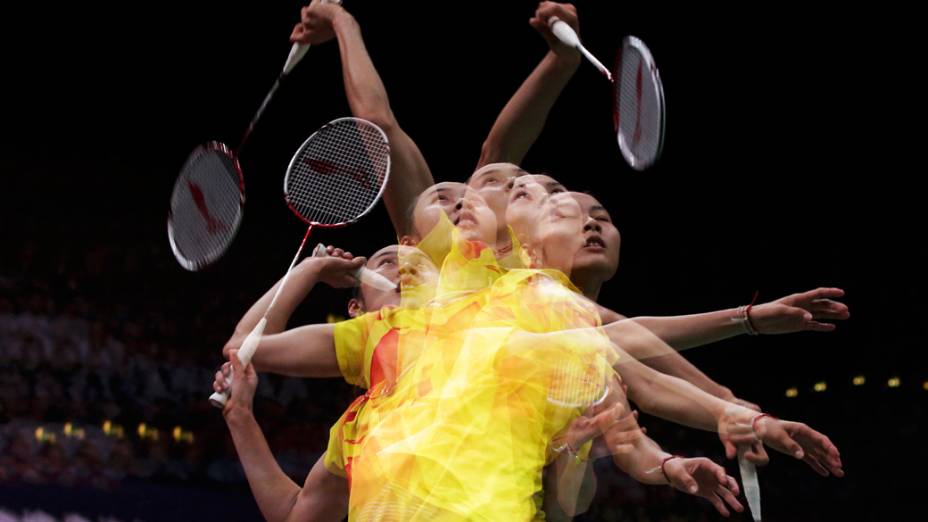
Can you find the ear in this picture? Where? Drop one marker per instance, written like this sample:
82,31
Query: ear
409,240
355,307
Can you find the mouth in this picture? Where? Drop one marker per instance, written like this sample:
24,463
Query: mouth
465,217
594,243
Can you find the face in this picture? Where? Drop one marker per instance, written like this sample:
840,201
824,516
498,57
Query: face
493,183
599,254
463,205
561,218
385,262
526,198
416,268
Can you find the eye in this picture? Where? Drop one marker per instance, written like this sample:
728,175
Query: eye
558,190
386,261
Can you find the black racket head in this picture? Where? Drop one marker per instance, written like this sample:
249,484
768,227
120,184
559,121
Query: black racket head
338,175
638,106
206,208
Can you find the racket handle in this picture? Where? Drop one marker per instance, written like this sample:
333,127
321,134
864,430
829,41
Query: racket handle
751,485
566,34
363,274
297,52
244,355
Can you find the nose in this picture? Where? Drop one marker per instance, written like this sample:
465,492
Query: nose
592,225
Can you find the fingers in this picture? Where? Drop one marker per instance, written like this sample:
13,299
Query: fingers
732,485
686,482
816,465
298,33
827,307
822,293
235,361
781,440
730,449
757,454
718,504
729,497
815,326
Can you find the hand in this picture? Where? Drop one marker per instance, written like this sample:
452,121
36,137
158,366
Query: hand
802,442
243,385
800,312
316,22
338,268
736,431
706,479
567,13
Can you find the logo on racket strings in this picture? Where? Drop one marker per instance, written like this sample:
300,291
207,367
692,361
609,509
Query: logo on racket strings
213,225
326,168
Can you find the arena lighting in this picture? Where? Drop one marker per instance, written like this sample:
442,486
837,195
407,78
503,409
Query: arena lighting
859,380
180,435
820,386
893,382
792,392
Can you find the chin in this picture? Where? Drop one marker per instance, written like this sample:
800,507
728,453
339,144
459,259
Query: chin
595,264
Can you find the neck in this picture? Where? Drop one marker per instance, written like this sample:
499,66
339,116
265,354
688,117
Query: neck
588,283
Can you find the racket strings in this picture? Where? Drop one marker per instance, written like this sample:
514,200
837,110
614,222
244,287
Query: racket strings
205,207
339,173
638,102
576,383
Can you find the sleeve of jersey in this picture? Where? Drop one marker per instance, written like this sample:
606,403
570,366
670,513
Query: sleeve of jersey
350,344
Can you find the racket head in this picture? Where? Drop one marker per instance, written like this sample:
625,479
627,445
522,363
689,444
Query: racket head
339,173
639,111
577,383
206,206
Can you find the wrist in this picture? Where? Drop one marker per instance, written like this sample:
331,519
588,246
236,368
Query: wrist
342,19
725,394
236,413
664,463
566,58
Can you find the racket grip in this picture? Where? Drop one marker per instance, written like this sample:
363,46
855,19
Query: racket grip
563,32
751,485
244,355
566,34
297,52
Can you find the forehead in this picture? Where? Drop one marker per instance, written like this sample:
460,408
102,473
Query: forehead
504,170
544,181
563,200
387,251
588,203
445,187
